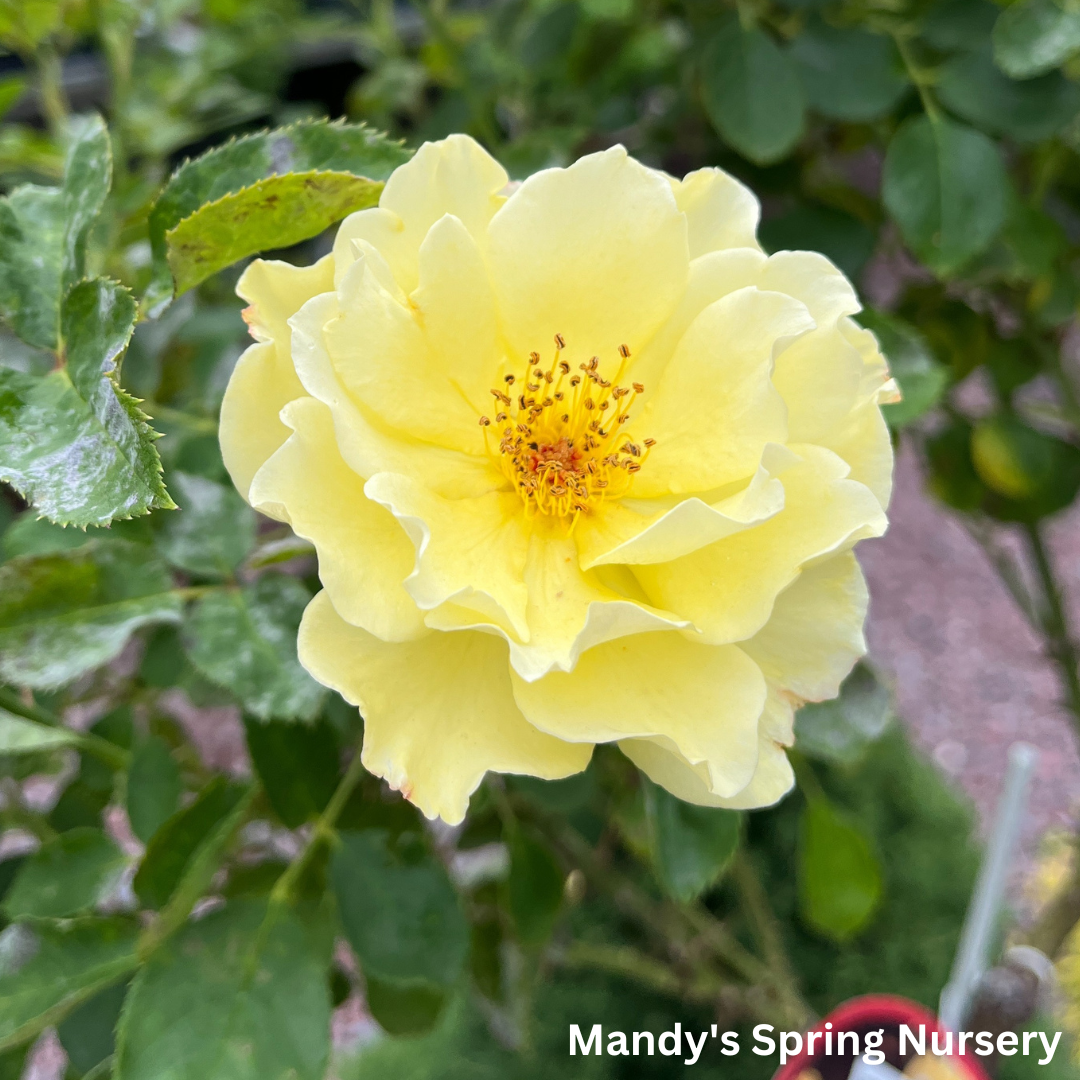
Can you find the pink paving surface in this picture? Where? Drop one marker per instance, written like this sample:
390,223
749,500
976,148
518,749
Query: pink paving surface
969,675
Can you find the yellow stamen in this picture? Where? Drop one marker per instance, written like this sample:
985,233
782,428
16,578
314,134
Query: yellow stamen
560,458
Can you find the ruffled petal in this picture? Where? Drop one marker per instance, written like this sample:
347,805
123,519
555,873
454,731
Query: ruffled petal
864,442
364,554
819,377
367,446
728,589
455,308
382,359
704,699
596,252
568,612
716,407
814,280
438,712
468,551
771,780
264,380
454,176
637,531
720,212
815,632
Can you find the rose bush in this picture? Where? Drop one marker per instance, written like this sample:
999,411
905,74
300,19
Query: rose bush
581,465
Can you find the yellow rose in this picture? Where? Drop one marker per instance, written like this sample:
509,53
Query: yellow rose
580,464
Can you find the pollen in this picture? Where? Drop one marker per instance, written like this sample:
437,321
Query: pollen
566,451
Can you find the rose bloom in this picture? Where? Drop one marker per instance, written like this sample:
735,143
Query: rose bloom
580,463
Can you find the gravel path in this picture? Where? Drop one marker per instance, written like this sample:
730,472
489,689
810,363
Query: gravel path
970,676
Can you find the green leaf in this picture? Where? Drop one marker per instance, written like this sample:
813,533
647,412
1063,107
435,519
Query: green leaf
31,535
399,910
227,1000
24,24
752,92
839,874
404,1009
87,1033
534,888
213,531
912,363
946,187
47,969
1030,474
12,87
297,765
175,845
1035,36
43,233
841,730
273,213
839,236
154,788
306,147
245,640
971,86
959,24
849,74
19,736
67,876
691,846
953,478
64,614
73,442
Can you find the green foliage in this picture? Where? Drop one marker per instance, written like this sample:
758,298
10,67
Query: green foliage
946,187
403,920
276,212
839,874
691,845
46,970
312,160
214,530
843,729
64,614
240,994
930,150
154,786
752,92
68,876
176,845
245,639
45,232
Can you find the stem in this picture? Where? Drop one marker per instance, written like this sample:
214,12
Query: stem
980,531
633,964
918,76
1059,916
679,930
116,757
1055,625
284,887
766,930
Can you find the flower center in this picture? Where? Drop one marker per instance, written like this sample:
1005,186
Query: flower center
563,442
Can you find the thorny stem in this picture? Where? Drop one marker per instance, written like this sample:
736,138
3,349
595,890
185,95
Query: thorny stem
766,929
284,888
1055,625
682,931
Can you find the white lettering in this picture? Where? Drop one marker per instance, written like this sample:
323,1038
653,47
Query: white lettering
676,1041
1007,1038
616,1044
788,1051
918,1045
696,1050
761,1036
1050,1047
596,1035
730,1044
638,1036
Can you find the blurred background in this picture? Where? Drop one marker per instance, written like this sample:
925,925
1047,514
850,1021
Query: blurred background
962,235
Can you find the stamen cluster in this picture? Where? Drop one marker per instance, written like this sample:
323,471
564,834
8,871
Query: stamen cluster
563,441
